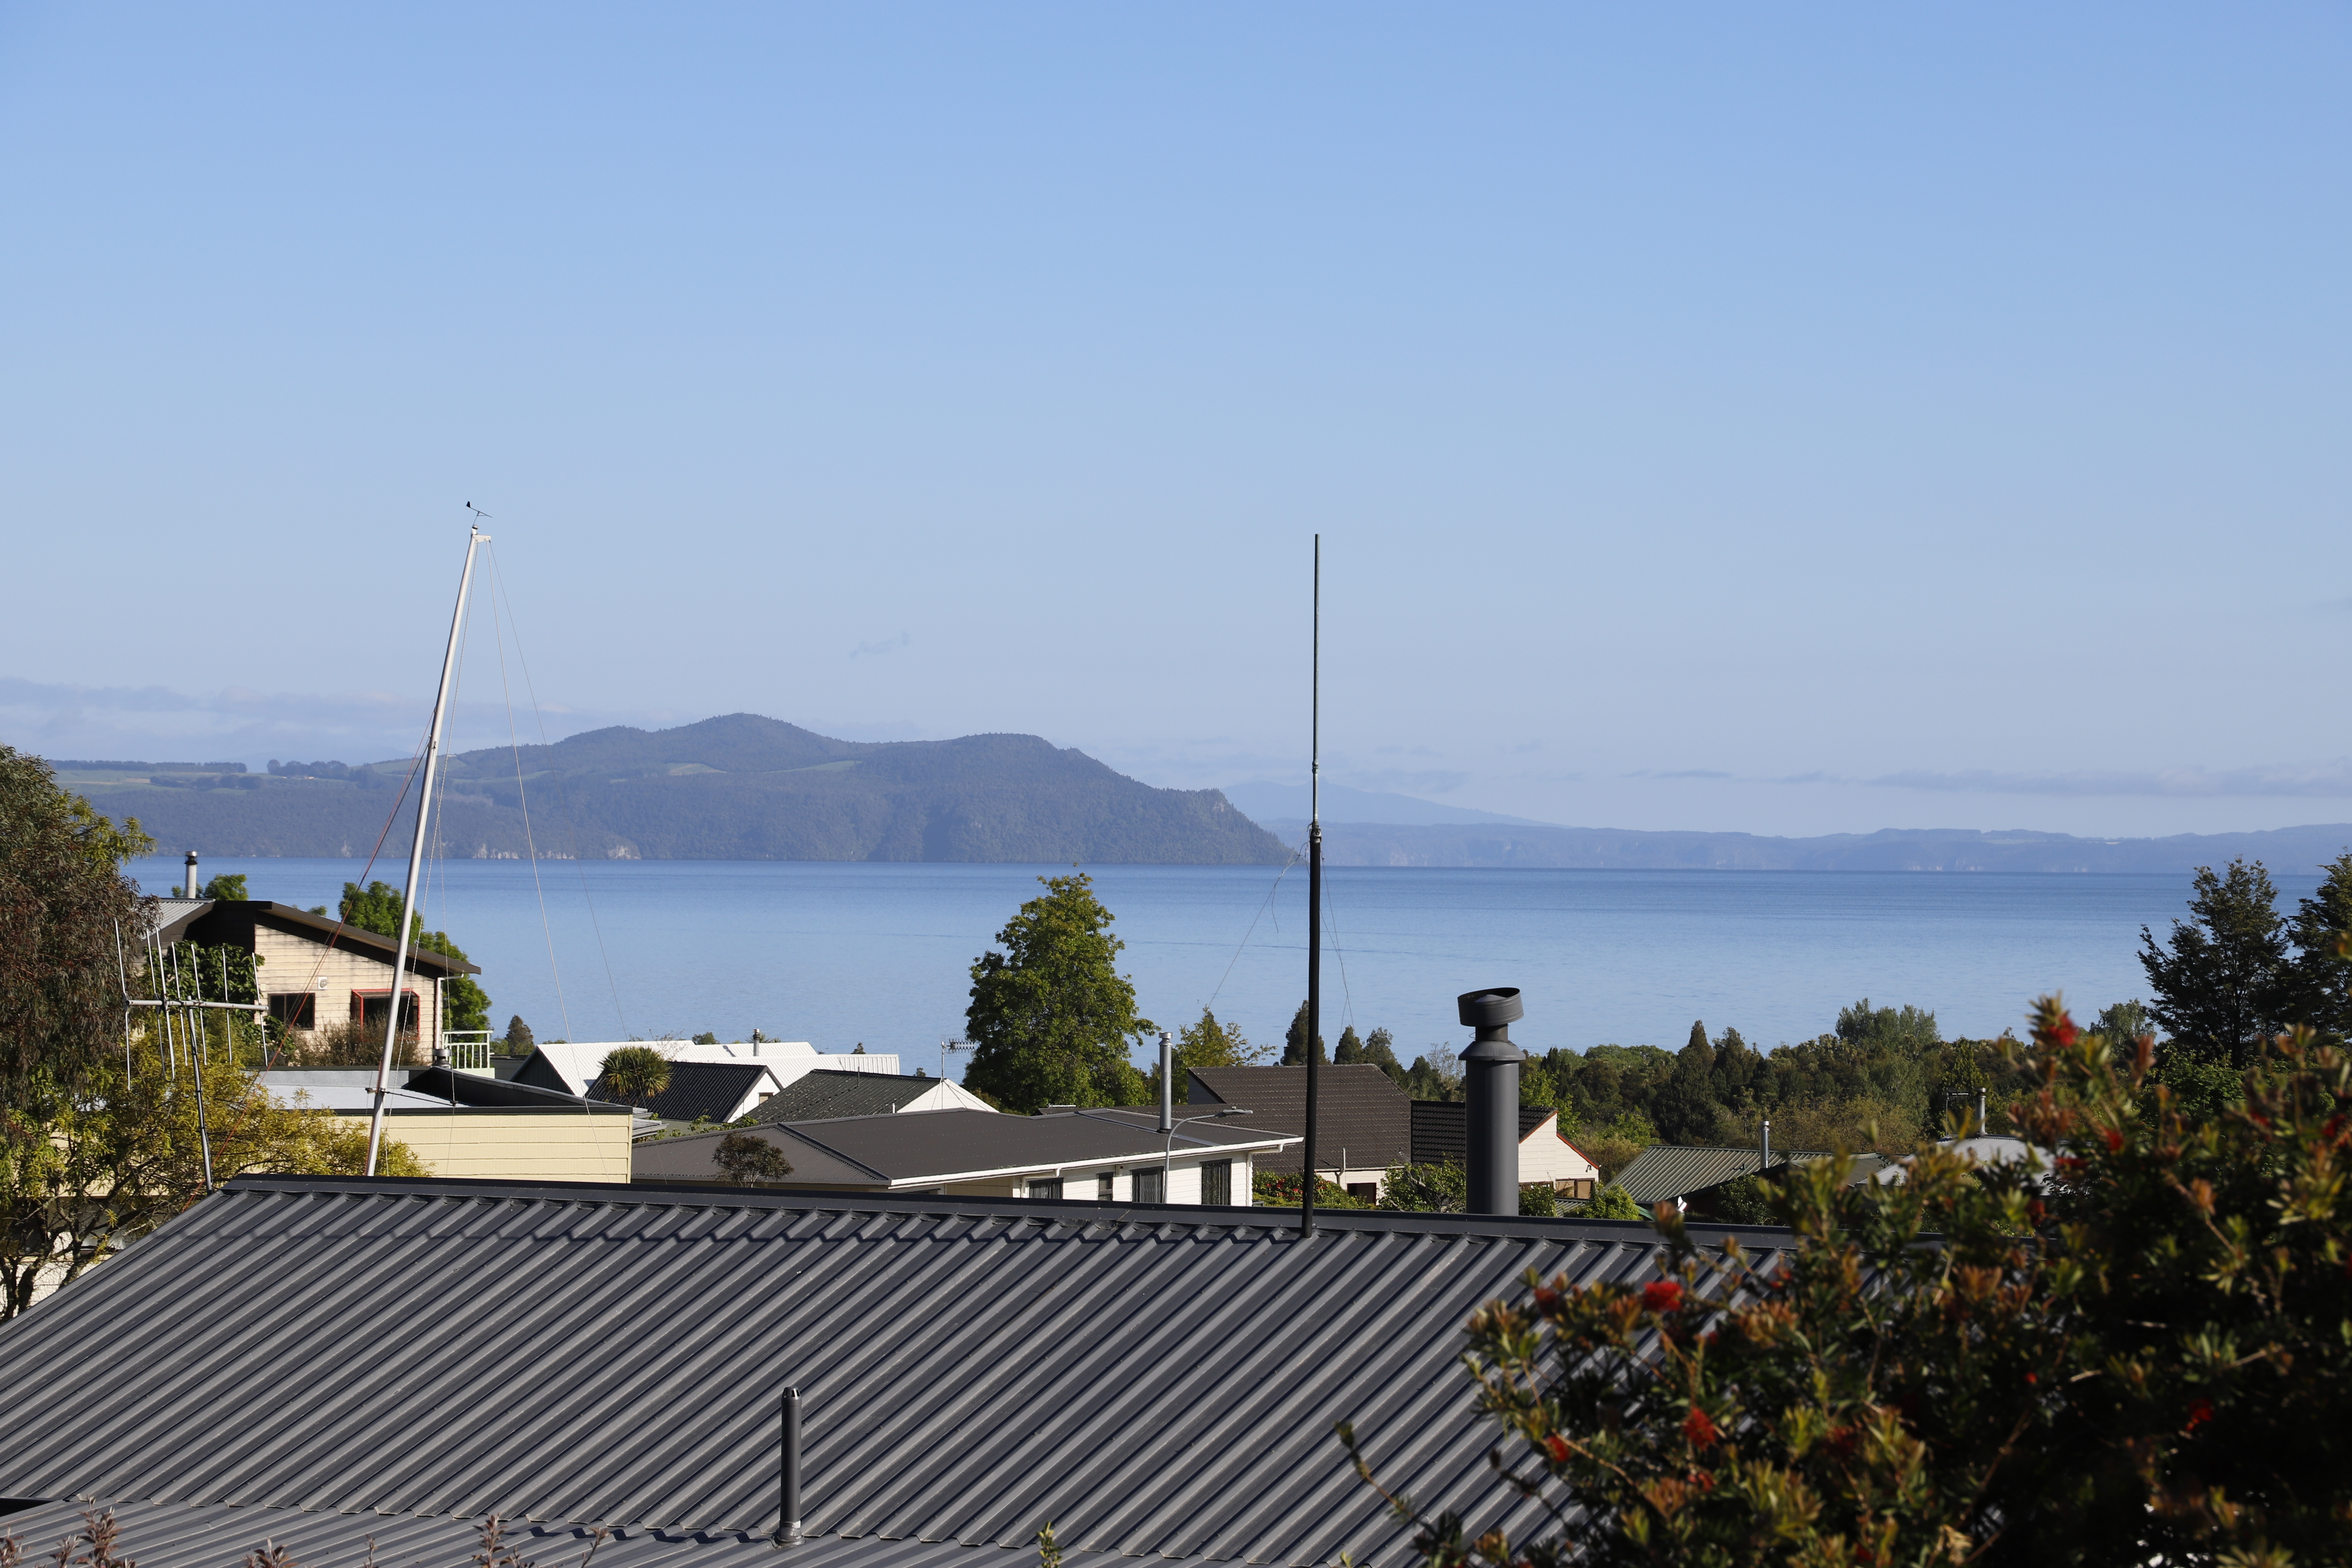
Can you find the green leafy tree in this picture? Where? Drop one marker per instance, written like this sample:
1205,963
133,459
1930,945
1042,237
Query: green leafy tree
1610,1202
2320,981
1294,1042
632,1075
746,1159
2224,982
2133,1356
1051,1018
65,913
1379,1051
228,886
1270,1191
115,1160
1207,1043
519,1040
1439,1188
1437,1076
464,1004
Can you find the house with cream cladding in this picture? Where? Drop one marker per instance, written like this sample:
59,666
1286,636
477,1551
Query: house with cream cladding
315,972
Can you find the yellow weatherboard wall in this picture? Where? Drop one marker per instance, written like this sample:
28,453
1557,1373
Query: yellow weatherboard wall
517,1145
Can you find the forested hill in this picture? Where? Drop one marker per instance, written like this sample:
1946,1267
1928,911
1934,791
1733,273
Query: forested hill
736,789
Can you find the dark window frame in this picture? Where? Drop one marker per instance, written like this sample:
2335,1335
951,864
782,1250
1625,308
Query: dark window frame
1151,1185
1217,1183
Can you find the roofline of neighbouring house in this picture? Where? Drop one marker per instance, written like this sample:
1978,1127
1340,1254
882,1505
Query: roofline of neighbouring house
419,959
1604,1231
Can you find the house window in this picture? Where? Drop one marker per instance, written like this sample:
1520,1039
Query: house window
1369,1192
1578,1188
1045,1187
294,1009
1216,1183
370,1009
1151,1187
1102,1187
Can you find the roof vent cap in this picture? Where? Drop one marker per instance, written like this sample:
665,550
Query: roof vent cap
1490,1009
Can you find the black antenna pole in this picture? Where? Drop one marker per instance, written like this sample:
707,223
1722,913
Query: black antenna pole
1314,892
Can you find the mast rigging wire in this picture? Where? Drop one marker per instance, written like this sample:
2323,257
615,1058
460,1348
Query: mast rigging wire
531,689
522,799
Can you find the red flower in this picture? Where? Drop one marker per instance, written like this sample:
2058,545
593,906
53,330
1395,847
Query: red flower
2200,1411
1662,1295
1556,1447
1547,1300
2065,1034
2114,1142
1699,1429
2032,1377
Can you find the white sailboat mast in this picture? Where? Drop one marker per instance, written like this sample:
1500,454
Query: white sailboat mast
416,852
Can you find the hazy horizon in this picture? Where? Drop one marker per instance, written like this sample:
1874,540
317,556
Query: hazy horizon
1785,423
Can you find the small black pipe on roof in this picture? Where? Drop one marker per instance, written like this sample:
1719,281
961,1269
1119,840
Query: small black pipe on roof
788,1510
1490,1070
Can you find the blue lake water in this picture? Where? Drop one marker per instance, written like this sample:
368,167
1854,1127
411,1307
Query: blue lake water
840,955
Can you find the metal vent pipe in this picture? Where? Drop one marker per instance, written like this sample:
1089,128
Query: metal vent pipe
1167,1083
788,1511
191,873
1490,1069
1764,1155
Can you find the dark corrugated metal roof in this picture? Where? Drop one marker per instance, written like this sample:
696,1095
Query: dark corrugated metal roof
182,1535
711,1090
1157,1382
1360,1113
826,1093
230,922
1441,1130
1666,1171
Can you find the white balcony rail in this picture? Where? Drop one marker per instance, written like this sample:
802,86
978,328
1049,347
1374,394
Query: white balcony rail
469,1049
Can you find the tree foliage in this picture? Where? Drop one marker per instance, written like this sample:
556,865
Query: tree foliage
1051,1018
1205,1043
66,914
746,1159
2224,984
376,908
1294,1042
632,1075
2135,1356
123,1154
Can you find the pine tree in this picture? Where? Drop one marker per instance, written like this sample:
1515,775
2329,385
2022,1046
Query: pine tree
2224,983
1685,1109
1294,1043
2321,982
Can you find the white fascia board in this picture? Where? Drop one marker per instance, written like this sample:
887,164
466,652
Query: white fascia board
1107,1161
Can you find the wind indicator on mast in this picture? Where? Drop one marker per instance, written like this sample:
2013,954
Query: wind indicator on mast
474,542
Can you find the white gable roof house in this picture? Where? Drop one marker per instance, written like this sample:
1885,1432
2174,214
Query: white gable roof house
573,1065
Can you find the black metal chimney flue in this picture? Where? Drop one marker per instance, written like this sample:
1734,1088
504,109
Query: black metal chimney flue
1490,1069
788,1510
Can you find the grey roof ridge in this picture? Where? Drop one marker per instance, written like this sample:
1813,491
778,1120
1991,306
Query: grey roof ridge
667,1195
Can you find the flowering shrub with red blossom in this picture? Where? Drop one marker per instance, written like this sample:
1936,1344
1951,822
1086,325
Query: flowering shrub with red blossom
2139,1353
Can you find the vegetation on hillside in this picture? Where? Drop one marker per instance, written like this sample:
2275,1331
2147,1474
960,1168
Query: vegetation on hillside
739,787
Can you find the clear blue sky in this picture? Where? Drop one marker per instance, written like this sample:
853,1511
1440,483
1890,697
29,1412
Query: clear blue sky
1790,419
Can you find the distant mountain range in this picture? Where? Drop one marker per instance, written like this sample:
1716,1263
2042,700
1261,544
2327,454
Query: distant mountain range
2286,849
736,789
1264,802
